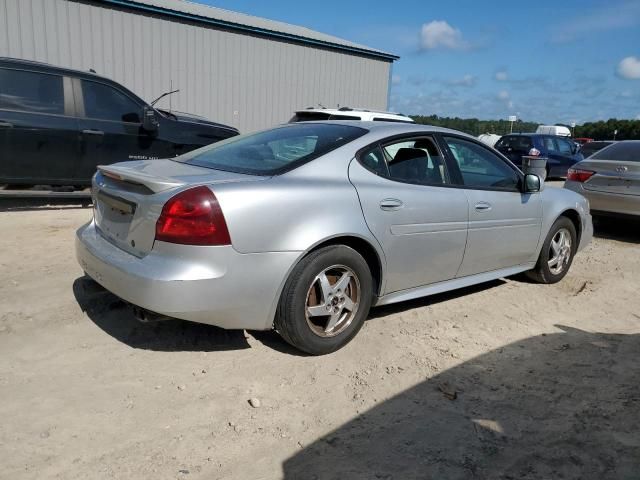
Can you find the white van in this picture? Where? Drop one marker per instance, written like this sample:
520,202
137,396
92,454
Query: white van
554,130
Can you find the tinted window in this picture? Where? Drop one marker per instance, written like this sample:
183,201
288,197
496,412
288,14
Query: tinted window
106,103
416,160
309,116
515,143
381,119
592,147
374,160
31,92
276,150
480,167
622,151
344,117
564,147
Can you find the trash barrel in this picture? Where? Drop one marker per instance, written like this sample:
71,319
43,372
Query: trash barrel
535,165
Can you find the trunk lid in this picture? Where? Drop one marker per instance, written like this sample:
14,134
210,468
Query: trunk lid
128,197
612,176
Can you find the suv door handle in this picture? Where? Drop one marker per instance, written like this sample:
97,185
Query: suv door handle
93,132
6,125
482,207
391,204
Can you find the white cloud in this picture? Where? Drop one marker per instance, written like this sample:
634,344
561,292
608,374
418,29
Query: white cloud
503,95
466,81
439,34
501,76
629,68
396,80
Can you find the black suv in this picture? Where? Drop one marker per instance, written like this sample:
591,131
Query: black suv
561,152
57,125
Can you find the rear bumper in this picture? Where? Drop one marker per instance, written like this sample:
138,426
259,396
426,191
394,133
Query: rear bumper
213,285
607,202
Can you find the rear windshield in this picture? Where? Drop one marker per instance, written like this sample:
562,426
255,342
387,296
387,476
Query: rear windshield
623,152
518,143
273,151
309,117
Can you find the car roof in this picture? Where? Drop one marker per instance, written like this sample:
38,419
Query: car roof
49,68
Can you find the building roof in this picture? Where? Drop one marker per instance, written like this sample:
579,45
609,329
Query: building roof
256,25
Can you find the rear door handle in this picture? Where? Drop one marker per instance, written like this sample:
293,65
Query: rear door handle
6,125
391,204
483,207
93,132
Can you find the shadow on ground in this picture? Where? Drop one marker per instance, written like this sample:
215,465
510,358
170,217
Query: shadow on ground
614,228
563,405
116,318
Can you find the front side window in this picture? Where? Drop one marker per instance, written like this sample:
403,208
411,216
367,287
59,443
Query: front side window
273,151
103,102
416,160
31,92
481,168
550,144
564,147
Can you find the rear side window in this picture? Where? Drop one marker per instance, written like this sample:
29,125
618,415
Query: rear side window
31,92
623,152
103,102
274,151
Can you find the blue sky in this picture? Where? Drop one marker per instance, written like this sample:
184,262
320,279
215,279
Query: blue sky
546,61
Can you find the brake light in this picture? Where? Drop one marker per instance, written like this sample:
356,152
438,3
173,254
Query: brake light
534,152
193,217
577,175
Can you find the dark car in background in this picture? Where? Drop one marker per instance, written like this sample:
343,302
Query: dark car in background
590,148
561,152
57,125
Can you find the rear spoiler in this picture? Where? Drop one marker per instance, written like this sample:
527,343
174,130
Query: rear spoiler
137,177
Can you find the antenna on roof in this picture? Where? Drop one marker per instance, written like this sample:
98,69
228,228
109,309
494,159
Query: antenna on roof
92,70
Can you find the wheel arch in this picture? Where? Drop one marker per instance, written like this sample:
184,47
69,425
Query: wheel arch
574,216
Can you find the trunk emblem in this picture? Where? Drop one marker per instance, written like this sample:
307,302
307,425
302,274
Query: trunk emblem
621,169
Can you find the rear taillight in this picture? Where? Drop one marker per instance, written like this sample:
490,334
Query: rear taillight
577,175
534,152
193,217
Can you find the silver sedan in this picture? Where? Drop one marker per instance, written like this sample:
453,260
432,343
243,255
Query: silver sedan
304,227
610,179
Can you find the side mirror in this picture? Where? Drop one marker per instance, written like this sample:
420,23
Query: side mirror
149,119
532,183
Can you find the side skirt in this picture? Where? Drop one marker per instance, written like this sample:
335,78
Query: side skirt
454,284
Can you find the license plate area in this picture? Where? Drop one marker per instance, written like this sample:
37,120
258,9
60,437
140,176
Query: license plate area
113,216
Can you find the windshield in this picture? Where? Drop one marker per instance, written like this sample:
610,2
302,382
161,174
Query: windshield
622,151
273,151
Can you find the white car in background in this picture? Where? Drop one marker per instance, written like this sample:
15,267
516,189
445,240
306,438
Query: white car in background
347,113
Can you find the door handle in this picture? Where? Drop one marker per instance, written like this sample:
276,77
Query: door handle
93,132
391,204
482,207
6,125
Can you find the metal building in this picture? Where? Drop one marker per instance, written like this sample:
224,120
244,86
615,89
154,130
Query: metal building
233,68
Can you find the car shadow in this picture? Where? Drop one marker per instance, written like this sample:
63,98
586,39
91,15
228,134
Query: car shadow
561,405
115,317
617,228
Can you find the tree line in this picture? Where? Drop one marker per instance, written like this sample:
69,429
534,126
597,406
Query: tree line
600,130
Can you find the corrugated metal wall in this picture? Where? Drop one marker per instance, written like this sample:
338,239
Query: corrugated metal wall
246,81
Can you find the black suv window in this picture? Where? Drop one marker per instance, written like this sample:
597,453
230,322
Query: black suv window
517,143
106,103
480,167
31,91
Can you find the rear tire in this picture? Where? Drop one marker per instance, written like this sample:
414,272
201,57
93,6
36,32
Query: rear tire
556,255
325,300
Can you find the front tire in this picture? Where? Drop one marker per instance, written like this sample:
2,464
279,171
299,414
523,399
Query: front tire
325,300
557,253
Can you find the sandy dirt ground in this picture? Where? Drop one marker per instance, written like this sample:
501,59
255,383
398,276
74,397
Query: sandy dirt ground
507,380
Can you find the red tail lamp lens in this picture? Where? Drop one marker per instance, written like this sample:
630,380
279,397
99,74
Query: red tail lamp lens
193,217
577,175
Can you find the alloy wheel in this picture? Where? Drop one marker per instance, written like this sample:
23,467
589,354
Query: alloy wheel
559,251
332,301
